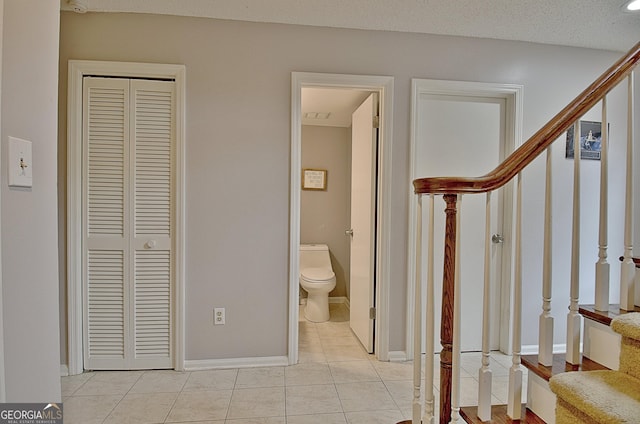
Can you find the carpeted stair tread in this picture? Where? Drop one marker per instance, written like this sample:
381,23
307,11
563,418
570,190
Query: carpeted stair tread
627,325
606,397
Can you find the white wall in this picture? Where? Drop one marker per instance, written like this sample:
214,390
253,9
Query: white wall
238,146
29,216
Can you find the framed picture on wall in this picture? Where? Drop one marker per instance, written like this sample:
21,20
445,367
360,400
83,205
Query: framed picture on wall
314,179
590,141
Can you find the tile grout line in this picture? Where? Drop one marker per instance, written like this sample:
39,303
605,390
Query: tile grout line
176,399
123,396
233,389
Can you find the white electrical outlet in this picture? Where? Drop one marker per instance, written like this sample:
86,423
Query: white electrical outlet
218,316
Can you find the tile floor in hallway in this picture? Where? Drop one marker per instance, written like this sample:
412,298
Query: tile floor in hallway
335,382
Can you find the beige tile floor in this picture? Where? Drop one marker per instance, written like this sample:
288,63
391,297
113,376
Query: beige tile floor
335,382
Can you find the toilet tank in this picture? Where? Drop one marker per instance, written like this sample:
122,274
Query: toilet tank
314,256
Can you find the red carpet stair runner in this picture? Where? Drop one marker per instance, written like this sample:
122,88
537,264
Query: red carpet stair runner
604,397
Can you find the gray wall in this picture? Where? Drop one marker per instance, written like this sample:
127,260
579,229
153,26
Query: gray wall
325,215
29,225
238,148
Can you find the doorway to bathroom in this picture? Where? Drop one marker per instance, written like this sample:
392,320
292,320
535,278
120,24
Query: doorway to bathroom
322,107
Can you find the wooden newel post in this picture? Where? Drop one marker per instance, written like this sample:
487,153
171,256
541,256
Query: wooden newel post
446,327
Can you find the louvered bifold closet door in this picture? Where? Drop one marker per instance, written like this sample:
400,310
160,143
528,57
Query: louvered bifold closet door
105,222
153,103
128,202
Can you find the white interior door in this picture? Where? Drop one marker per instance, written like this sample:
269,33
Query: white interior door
128,140
460,135
364,142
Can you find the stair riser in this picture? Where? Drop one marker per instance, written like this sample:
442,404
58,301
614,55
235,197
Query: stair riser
601,344
540,399
636,283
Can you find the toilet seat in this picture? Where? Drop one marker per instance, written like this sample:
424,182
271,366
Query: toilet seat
317,275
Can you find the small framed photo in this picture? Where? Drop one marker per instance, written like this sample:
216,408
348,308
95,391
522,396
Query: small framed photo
314,179
590,141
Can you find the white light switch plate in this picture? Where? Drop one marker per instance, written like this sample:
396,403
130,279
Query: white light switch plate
20,163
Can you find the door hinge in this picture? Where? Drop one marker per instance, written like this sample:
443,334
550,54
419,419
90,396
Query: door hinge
372,313
376,122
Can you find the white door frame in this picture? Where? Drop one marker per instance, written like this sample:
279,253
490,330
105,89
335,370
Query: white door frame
77,71
3,395
384,86
513,94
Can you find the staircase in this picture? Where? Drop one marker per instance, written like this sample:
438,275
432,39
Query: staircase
589,358
605,396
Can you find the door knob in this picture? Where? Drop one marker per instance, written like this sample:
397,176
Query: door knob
497,239
150,244
349,232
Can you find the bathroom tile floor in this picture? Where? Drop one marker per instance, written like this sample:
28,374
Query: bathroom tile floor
335,382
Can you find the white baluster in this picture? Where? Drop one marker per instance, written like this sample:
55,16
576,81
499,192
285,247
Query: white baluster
429,417
455,353
514,401
484,374
628,270
545,336
573,317
602,266
417,332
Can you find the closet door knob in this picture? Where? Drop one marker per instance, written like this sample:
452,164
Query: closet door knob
349,232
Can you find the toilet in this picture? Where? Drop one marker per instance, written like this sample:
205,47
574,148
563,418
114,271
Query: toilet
318,279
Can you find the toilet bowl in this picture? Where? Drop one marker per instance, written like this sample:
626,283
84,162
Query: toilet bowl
318,279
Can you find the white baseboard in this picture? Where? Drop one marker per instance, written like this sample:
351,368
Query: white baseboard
339,299
336,299
208,364
534,349
211,364
397,356
400,355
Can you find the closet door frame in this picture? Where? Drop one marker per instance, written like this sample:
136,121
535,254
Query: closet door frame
78,69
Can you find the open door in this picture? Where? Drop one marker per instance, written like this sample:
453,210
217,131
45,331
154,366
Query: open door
364,148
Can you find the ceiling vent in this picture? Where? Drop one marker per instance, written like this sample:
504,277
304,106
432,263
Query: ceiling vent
317,115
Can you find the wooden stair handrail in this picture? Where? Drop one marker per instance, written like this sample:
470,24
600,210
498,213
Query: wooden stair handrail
451,187
542,139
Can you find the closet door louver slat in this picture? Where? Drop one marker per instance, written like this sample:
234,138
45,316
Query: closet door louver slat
153,304
105,162
106,304
153,133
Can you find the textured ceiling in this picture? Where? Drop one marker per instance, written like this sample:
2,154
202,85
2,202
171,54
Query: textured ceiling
601,24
